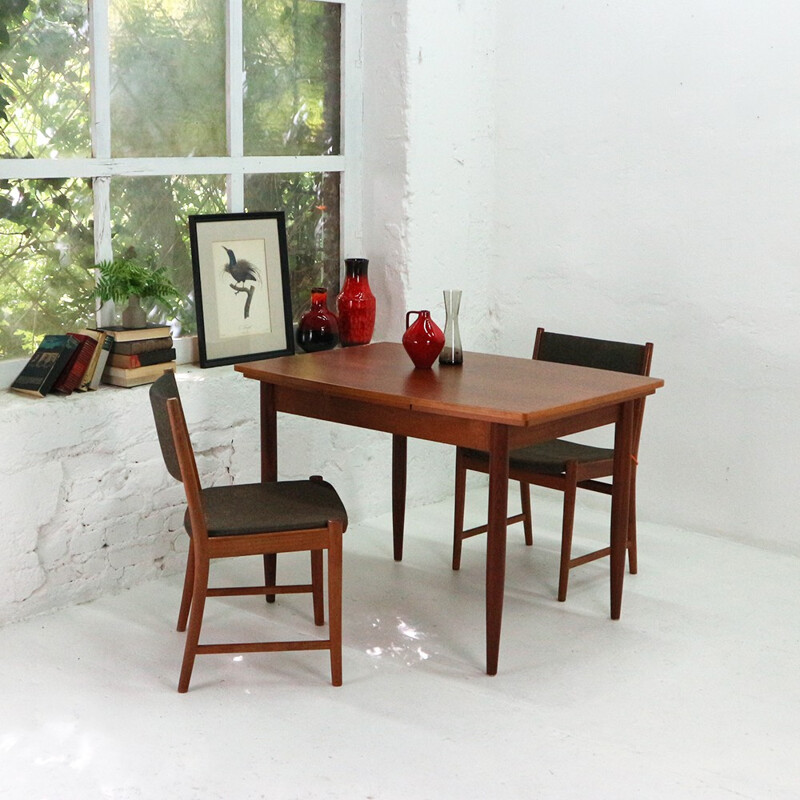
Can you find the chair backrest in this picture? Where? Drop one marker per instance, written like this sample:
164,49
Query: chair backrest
164,389
176,448
582,351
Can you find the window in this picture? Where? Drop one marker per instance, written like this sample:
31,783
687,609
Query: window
120,118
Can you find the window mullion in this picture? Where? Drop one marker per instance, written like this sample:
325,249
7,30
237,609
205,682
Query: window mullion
100,72
100,78
234,91
352,112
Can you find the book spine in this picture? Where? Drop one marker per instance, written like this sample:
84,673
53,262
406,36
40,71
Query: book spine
45,365
86,380
65,378
60,365
142,346
101,363
128,378
79,367
142,359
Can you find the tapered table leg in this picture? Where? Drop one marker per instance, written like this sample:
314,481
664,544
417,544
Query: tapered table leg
496,543
269,467
620,503
269,434
399,457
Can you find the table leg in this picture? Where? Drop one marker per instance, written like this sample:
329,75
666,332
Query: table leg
620,502
269,467
496,542
399,458
269,434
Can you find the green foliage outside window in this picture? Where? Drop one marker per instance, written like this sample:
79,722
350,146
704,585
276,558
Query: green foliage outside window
167,78
45,236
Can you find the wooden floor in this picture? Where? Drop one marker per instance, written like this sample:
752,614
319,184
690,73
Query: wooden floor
692,694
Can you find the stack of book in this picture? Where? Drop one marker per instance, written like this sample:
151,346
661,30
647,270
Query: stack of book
139,355
65,363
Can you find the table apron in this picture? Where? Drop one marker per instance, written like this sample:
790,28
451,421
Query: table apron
563,426
444,428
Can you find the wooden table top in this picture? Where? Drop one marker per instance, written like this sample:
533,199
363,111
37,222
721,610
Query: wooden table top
491,388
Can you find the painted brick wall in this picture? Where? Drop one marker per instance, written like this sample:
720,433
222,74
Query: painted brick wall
87,507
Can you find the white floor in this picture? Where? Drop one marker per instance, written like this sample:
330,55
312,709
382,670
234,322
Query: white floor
694,693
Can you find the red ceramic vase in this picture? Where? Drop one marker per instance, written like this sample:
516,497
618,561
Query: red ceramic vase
423,340
356,304
318,328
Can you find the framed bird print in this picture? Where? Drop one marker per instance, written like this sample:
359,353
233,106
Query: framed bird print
241,286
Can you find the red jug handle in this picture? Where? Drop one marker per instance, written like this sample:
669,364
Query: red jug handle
408,314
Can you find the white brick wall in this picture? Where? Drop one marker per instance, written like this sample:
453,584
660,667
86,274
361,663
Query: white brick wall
87,506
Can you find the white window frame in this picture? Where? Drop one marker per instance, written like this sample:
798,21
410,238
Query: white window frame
101,168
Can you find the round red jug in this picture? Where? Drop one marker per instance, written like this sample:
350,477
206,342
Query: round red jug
423,340
318,328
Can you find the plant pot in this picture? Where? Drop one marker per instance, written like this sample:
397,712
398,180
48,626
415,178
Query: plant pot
133,315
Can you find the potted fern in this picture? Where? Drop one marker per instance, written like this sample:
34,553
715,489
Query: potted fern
131,280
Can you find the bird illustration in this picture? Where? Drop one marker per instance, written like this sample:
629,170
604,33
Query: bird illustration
240,270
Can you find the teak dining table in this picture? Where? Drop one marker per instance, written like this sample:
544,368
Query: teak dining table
490,402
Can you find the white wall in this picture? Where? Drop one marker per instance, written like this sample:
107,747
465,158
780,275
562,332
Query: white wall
451,126
647,188
429,159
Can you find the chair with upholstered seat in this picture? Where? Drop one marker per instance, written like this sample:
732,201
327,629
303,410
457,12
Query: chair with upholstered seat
250,519
562,464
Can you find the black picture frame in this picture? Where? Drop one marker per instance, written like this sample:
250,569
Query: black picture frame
240,265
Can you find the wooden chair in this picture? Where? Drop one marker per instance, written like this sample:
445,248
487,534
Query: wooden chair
250,519
562,464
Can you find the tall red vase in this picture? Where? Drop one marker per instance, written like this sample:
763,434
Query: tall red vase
356,304
423,340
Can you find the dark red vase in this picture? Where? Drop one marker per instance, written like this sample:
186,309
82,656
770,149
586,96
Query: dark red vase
356,304
318,328
423,340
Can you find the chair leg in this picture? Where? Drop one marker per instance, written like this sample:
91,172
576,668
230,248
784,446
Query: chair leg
633,563
567,524
270,573
186,599
335,603
525,501
195,622
458,512
317,590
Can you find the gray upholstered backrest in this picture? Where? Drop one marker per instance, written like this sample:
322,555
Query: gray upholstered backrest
161,391
598,353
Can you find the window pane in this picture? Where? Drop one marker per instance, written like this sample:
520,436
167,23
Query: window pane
311,204
151,217
46,247
292,63
44,80
167,78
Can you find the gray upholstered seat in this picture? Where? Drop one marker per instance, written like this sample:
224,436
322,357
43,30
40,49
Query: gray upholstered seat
549,458
293,505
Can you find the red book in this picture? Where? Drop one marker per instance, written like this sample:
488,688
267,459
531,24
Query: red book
71,376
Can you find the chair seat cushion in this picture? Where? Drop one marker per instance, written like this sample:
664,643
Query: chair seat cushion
265,507
550,458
